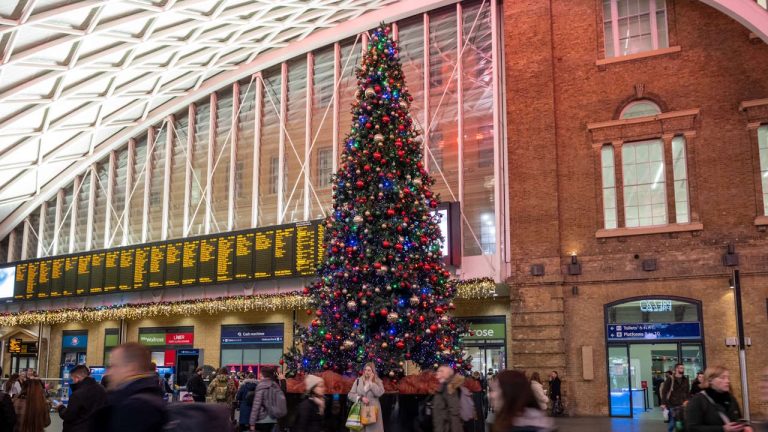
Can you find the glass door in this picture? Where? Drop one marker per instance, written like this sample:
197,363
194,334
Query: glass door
619,388
693,359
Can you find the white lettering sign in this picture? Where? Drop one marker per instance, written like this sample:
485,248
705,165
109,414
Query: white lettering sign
656,305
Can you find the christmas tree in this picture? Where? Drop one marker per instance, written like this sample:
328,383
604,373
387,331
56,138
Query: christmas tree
382,292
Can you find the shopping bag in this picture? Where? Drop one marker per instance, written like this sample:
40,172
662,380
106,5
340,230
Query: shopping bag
353,419
369,414
665,415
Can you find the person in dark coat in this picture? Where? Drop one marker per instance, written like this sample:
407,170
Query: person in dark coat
696,384
87,397
135,401
197,386
515,406
244,398
446,404
311,411
715,408
675,392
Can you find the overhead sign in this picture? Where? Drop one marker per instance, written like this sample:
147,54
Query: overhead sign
179,338
152,339
252,335
478,331
14,345
654,331
74,341
656,305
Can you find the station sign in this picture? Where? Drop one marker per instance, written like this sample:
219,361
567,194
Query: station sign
653,331
252,335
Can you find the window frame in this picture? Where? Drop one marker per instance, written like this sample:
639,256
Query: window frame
756,116
614,19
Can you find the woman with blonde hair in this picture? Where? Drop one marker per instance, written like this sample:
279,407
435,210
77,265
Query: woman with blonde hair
32,410
715,408
538,391
367,390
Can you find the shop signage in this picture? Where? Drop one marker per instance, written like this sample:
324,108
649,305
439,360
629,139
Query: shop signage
652,331
656,305
179,338
152,339
74,341
485,331
14,345
170,358
252,335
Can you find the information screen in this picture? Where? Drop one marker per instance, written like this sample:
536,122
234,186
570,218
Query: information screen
7,281
306,249
141,267
97,272
244,255
70,276
44,285
285,250
173,254
125,278
263,254
111,270
206,269
32,279
83,274
157,266
189,262
57,277
225,259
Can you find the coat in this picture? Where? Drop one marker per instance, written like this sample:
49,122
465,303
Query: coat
446,406
373,392
540,395
196,386
246,402
554,388
702,414
222,381
20,406
87,397
137,406
675,391
258,410
308,417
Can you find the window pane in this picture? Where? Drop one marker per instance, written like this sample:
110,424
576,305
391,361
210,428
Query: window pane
100,204
81,224
644,183
66,219
231,357
350,59
120,217
156,179
222,149
609,189
411,34
268,152
199,156
49,230
295,141
32,237
479,139
137,190
251,356
762,141
680,172
271,356
244,162
634,24
321,159
178,176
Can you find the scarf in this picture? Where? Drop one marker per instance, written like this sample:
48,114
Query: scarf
721,398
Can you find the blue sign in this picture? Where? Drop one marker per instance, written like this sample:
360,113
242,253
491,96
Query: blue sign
654,331
252,335
187,352
75,341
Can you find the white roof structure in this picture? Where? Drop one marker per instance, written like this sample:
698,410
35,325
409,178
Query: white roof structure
75,73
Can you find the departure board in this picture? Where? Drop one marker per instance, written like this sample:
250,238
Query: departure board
20,287
32,280
157,266
225,259
83,275
206,269
189,262
320,227
125,275
173,253
244,255
284,251
57,277
306,249
70,276
44,285
140,267
97,272
111,270
263,252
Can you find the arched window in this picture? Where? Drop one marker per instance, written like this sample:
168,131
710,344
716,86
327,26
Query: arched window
641,108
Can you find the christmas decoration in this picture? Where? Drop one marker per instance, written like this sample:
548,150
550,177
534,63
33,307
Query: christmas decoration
261,302
382,276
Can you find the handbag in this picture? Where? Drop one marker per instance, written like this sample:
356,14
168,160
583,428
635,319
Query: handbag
369,414
353,419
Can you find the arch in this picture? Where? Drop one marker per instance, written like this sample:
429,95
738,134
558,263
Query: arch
746,12
640,108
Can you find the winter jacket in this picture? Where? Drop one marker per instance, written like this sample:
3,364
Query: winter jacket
87,397
196,386
675,391
540,395
446,406
308,417
373,391
554,388
137,406
705,411
219,382
246,401
259,410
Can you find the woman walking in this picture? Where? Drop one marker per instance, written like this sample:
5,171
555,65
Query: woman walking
538,391
367,390
260,420
516,407
32,410
311,411
13,386
715,408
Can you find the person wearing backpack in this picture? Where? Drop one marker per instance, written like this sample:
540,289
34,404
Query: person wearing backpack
222,389
244,399
367,390
269,404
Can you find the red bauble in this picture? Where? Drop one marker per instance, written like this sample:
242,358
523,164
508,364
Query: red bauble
421,318
399,247
433,328
377,155
383,312
328,336
400,345
309,312
439,310
390,212
385,244
359,184
367,168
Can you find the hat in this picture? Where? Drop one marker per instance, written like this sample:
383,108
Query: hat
311,381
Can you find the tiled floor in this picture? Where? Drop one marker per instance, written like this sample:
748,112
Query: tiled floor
604,424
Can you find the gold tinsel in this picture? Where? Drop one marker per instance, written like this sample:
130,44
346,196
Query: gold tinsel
465,289
261,302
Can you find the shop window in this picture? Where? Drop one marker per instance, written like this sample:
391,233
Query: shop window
111,340
634,26
246,348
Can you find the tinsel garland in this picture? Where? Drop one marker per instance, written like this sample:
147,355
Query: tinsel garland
466,289
261,302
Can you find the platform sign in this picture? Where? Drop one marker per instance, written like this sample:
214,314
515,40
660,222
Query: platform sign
654,331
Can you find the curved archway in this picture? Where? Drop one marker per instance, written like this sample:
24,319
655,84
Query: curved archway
747,12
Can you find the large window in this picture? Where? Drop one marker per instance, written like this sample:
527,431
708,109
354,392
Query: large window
645,201
762,142
634,26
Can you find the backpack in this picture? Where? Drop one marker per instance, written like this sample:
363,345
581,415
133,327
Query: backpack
466,405
7,412
196,417
221,390
274,402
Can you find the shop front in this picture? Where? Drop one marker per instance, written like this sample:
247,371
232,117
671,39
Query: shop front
248,347
165,343
645,338
23,354
74,346
486,343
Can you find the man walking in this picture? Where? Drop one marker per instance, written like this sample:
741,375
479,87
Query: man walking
87,397
675,393
446,405
196,386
